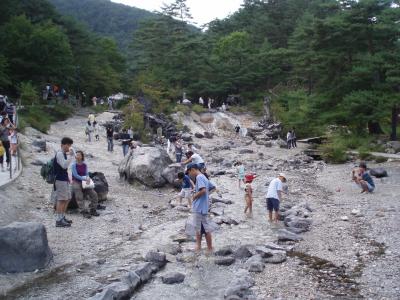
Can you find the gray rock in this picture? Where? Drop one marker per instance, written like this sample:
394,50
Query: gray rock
243,252
395,145
218,211
208,135
224,261
255,264
40,144
298,222
229,221
114,291
157,258
144,271
274,246
170,174
225,251
132,279
146,165
265,252
285,235
378,172
186,137
220,200
199,135
276,258
182,208
296,230
239,287
246,151
38,162
173,249
173,278
23,247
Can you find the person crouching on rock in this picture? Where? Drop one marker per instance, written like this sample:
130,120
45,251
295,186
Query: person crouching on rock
363,179
187,187
248,196
80,174
194,158
200,206
274,196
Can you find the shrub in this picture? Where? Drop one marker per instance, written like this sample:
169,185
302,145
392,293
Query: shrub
334,153
380,159
182,108
198,109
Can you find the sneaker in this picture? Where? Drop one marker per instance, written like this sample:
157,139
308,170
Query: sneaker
102,207
67,220
62,223
93,212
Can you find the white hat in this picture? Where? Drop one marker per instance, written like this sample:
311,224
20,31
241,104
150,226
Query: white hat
282,175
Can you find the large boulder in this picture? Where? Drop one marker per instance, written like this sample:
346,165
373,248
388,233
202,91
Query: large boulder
170,174
378,172
40,144
395,145
146,165
23,247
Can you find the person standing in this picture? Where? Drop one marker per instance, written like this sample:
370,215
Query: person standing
80,173
126,140
178,150
5,127
96,130
294,143
248,196
274,196
89,130
201,101
62,161
240,170
237,130
200,206
110,138
289,139
187,187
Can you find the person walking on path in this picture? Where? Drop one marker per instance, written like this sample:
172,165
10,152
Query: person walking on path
289,139
240,170
5,127
80,173
294,143
62,161
89,129
200,206
274,196
110,138
363,179
96,130
248,196
126,140
178,150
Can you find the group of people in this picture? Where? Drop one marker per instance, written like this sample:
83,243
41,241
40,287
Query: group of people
291,139
81,186
8,133
206,103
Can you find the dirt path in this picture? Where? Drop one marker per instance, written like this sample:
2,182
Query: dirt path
95,252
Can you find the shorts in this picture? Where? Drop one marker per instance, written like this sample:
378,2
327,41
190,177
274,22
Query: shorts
199,223
63,191
241,176
185,193
272,204
370,187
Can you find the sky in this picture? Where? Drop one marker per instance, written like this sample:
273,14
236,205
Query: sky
203,11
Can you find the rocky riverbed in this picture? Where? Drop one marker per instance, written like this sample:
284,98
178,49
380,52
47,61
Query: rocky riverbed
349,250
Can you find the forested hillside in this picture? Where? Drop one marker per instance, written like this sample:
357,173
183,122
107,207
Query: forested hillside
105,17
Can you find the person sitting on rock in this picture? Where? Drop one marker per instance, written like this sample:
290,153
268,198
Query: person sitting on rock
80,173
195,159
187,187
362,178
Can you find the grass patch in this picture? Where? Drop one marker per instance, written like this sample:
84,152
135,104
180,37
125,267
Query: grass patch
98,109
198,109
334,153
182,108
41,117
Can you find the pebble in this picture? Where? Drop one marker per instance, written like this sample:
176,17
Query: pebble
344,218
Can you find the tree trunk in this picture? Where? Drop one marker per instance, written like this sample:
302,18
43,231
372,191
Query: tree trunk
374,127
395,119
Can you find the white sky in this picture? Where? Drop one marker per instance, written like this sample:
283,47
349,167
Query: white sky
203,11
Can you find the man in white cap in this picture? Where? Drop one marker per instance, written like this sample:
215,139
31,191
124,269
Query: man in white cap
274,196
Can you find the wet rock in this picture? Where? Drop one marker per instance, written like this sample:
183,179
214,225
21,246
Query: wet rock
144,271
225,251
243,252
23,247
224,261
246,151
199,135
114,291
157,258
218,211
145,165
173,278
378,172
255,264
285,235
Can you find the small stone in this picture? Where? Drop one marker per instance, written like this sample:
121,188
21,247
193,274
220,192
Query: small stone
344,218
145,206
255,264
224,261
101,261
173,278
157,258
243,252
225,251
355,212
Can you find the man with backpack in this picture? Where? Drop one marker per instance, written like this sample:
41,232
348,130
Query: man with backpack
62,161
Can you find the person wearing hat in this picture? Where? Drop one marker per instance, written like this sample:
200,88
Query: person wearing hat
200,206
363,179
274,196
248,196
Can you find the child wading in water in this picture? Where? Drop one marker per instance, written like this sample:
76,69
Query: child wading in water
248,196
240,169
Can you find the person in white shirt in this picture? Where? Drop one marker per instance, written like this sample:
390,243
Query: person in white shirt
274,196
196,159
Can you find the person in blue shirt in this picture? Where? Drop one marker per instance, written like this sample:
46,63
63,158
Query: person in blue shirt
187,187
200,206
363,179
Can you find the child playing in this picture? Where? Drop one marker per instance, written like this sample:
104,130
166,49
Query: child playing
2,151
187,186
248,196
240,169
